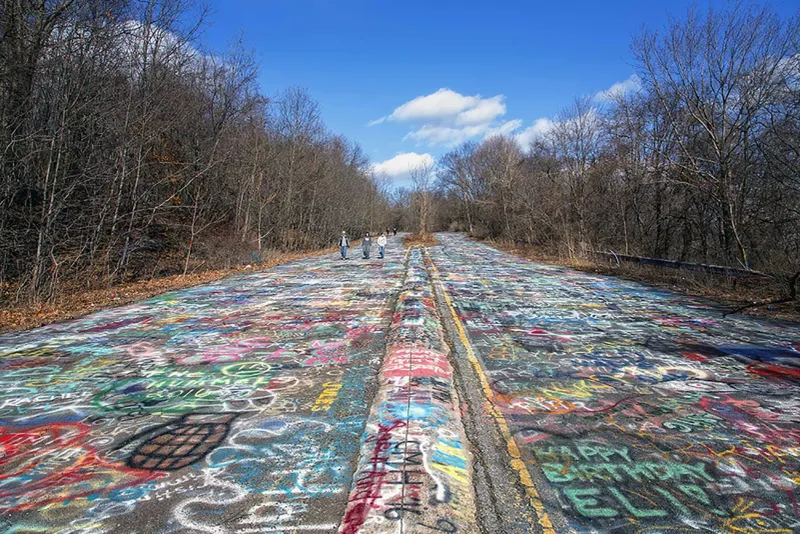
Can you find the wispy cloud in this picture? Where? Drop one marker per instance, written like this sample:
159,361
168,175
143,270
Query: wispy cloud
539,128
484,111
506,128
444,135
402,164
632,85
446,105
446,117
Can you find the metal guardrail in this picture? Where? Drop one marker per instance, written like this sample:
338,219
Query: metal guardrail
674,264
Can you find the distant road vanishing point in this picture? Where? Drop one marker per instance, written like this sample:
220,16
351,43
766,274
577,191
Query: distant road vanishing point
453,388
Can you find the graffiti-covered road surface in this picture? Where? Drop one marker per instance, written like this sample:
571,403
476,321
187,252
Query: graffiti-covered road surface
632,409
453,389
237,406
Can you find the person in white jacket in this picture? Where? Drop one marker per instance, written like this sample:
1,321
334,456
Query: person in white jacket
344,244
381,245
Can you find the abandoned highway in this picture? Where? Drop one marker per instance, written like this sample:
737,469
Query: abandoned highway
453,388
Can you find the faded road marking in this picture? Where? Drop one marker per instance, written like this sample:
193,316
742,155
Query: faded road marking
517,464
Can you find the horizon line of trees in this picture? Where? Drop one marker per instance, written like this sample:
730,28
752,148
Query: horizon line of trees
129,153
702,164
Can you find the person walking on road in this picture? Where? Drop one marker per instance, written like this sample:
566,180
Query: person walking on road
381,245
395,230
366,243
344,244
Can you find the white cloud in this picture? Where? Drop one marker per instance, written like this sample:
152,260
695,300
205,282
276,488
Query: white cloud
439,106
632,85
447,117
539,128
445,135
450,137
483,112
788,72
402,164
507,128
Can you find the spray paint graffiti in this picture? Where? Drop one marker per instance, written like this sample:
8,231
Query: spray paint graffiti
180,443
414,472
235,406
244,405
636,410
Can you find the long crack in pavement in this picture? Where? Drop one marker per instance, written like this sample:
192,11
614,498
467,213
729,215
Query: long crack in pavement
634,409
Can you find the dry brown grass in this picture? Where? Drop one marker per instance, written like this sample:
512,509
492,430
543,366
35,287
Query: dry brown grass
728,291
82,301
420,239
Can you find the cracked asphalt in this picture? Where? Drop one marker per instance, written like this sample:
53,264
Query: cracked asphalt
633,409
453,389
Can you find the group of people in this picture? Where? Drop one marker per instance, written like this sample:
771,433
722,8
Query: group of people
366,244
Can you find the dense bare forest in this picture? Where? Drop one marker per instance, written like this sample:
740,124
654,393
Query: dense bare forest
701,164
129,153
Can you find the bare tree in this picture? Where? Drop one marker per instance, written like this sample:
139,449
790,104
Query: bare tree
129,152
422,179
458,173
722,71
700,165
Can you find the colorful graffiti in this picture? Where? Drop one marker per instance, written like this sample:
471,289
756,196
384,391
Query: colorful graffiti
635,409
414,474
320,396
237,406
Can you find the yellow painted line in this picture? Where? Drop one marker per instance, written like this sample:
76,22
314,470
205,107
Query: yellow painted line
517,464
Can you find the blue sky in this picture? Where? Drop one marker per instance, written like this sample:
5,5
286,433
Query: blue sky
512,62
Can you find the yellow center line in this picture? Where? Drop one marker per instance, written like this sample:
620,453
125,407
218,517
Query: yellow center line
517,464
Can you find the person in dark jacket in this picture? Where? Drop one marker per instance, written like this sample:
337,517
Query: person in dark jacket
366,243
